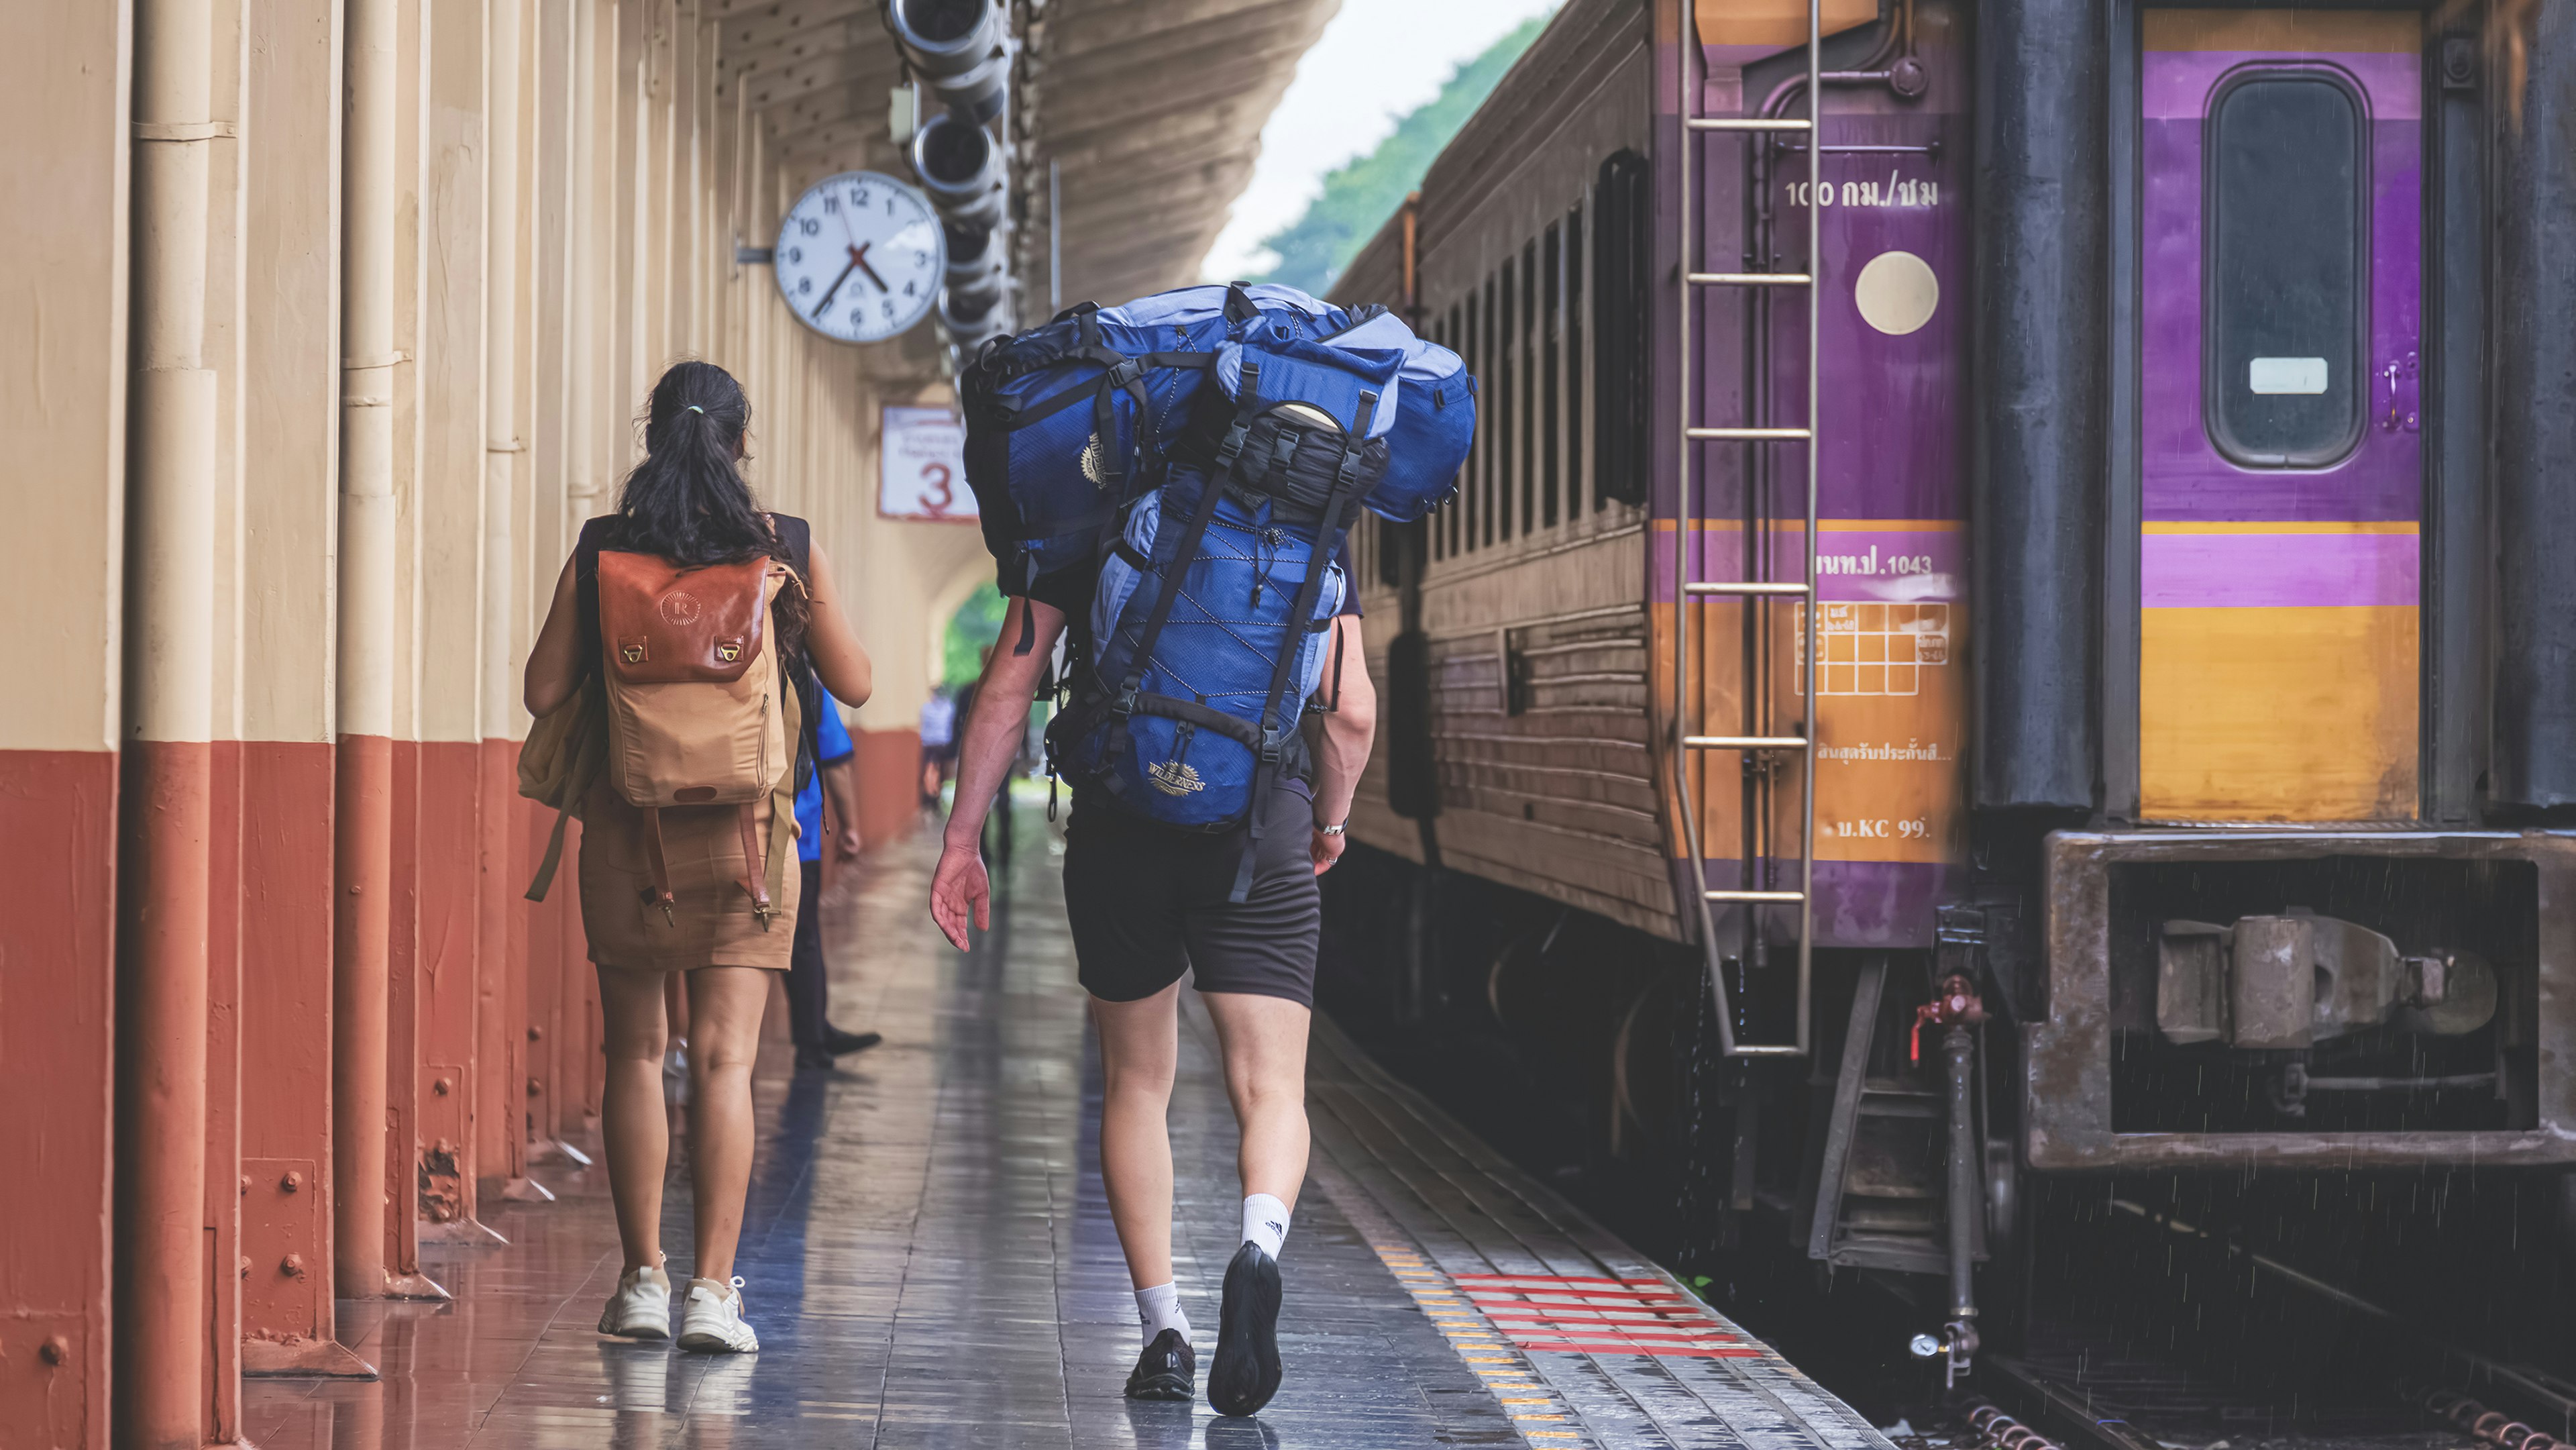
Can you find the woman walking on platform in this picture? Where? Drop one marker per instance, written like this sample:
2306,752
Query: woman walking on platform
718,617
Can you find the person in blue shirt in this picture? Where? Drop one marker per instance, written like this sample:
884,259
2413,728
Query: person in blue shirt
809,990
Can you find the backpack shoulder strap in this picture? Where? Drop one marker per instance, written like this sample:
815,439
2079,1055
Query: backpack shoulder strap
799,681
585,585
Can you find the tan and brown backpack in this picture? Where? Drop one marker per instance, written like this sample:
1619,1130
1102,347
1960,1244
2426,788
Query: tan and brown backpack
686,709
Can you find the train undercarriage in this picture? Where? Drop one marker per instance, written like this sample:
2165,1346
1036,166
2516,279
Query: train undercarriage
2231,1175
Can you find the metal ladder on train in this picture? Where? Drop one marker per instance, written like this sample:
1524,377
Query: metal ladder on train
1691,749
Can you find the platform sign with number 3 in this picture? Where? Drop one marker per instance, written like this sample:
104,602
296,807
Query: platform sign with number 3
923,473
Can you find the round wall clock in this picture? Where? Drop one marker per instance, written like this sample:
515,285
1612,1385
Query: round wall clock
860,257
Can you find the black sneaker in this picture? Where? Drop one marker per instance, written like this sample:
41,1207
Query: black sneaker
1167,1370
1246,1372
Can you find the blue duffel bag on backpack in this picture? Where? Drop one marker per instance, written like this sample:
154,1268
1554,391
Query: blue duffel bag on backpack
1067,422
1210,447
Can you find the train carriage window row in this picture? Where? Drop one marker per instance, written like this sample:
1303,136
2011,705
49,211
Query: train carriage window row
1556,335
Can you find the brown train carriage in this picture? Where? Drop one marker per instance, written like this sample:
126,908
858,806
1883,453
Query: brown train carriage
2215,742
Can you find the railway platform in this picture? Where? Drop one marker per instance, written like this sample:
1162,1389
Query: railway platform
930,1262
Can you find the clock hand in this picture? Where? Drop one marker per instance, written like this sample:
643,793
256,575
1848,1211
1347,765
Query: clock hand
836,283
859,259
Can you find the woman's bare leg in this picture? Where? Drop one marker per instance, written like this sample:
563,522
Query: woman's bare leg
632,1129
1140,1047
725,1005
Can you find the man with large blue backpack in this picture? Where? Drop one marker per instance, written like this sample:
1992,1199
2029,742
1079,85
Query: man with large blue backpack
1168,486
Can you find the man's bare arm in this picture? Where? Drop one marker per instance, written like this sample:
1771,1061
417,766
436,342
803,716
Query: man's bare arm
1349,732
987,743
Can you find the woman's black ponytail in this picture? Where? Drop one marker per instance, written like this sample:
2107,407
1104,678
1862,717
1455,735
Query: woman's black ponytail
687,502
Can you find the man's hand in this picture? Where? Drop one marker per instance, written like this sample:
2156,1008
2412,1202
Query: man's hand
847,840
1325,850
960,889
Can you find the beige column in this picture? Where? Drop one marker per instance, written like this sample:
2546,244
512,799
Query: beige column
362,853
500,1008
170,517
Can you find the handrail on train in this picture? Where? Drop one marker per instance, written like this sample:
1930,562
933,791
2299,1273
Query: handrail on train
1756,592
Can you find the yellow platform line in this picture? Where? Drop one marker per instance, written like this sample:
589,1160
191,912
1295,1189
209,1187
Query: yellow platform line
1476,1342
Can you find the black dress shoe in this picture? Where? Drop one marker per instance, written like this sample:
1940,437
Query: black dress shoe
813,1059
837,1043
1167,1370
1245,1373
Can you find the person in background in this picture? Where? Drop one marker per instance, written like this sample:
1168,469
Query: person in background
939,716
809,987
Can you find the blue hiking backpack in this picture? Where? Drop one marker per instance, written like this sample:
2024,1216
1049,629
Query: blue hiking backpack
1209,447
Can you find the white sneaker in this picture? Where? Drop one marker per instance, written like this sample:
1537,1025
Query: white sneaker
641,1307
711,1319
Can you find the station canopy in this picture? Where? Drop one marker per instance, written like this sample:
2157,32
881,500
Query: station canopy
1151,111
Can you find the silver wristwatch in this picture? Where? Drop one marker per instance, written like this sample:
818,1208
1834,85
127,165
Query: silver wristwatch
1334,830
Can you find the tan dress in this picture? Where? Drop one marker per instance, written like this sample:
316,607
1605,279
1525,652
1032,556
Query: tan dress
711,923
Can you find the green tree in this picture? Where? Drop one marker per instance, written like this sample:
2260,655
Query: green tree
1362,193
974,626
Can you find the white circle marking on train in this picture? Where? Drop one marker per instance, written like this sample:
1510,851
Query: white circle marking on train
1897,292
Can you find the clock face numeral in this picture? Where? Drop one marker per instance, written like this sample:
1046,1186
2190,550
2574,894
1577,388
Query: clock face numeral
860,257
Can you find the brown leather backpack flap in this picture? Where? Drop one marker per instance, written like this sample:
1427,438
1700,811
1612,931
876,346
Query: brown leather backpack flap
663,625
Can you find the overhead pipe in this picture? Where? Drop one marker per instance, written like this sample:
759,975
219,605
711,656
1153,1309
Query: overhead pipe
167,790
362,847
960,48
976,263
967,175
964,170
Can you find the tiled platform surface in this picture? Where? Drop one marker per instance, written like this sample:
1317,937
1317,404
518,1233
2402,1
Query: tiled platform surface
930,1262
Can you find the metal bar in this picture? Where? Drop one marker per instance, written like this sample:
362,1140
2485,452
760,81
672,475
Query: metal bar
1807,615
1749,435
1686,806
1753,587
1685,802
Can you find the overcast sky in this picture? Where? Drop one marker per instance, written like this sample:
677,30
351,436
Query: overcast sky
1376,60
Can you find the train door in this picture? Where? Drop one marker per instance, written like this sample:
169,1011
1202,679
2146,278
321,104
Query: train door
2280,477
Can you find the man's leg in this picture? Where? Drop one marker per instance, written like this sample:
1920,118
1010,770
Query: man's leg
1264,1042
1139,1051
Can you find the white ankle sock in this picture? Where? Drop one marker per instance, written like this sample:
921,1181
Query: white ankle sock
1265,1222
1159,1308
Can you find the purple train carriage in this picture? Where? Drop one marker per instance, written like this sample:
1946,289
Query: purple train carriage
2007,641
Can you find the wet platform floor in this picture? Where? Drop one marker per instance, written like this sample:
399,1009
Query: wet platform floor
929,1260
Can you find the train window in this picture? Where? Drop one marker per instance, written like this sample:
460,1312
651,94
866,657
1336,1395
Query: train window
1456,342
1508,346
1489,421
1527,340
1621,292
1471,507
1551,403
2285,208
1574,399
